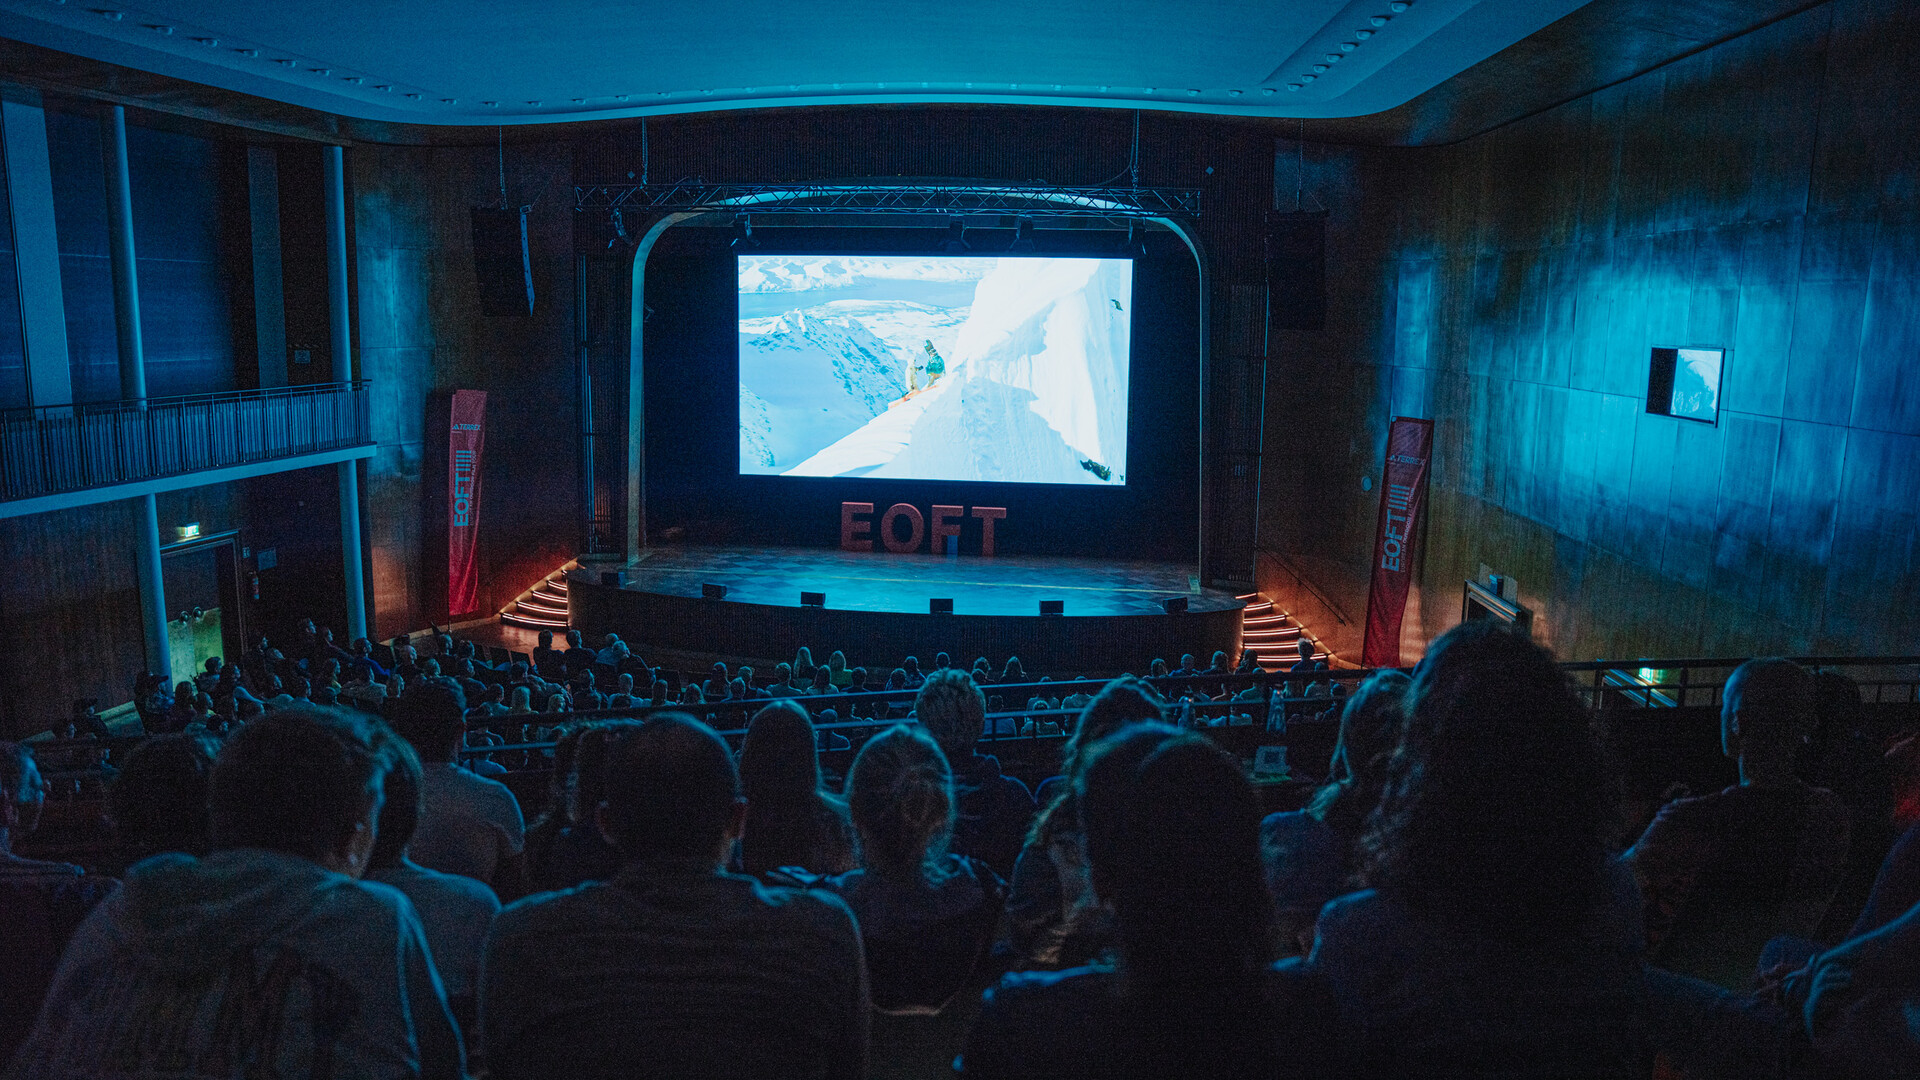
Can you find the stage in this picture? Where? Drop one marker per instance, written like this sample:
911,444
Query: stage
876,609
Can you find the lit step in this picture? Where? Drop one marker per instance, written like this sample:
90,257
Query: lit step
514,618
530,608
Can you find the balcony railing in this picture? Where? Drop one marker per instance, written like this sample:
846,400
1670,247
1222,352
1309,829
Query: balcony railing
54,449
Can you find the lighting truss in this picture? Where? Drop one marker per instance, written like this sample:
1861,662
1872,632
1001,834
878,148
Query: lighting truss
933,198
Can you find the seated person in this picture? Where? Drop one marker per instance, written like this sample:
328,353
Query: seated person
471,825
455,911
1172,837
1500,936
1312,855
41,903
158,802
791,819
926,917
581,852
1053,918
1724,873
266,957
674,968
993,810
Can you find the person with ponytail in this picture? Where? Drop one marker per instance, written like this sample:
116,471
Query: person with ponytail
926,916
1053,918
1172,835
1312,855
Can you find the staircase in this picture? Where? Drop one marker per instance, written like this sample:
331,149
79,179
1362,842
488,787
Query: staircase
543,607
1273,635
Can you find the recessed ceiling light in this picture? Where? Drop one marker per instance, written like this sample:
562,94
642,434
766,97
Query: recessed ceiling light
449,101
1267,91
1379,20
383,86
1399,6
159,28
1318,68
579,101
1234,93
109,14
1308,78
621,97
321,71
535,104
248,52
1290,86
1363,34
1193,93
1348,46
211,43
413,97
288,63
490,104
1333,58
354,79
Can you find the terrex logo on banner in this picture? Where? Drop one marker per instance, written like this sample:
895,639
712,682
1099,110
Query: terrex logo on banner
1403,497
466,439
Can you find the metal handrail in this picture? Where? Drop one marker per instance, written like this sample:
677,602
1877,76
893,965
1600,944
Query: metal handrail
52,449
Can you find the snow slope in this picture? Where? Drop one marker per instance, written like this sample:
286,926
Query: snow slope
1037,384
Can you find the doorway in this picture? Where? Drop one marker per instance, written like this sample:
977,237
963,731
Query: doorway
201,580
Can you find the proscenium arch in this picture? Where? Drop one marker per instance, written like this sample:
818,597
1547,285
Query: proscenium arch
635,542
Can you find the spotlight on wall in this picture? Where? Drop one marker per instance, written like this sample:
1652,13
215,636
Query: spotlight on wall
813,599
743,233
710,591
1023,240
957,237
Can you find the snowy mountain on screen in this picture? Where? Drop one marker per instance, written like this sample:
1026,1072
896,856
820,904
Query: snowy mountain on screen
805,381
790,273
1035,390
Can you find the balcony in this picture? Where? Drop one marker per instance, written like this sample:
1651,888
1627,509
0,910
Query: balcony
58,456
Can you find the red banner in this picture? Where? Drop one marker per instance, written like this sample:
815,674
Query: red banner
466,437
1403,498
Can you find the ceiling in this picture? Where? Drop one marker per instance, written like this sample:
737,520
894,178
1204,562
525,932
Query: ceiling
468,62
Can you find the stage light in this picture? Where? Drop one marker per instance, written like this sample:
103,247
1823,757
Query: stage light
710,591
813,599
957,238
619,229
940,606
1023,240
1177,605
1053,607
743,233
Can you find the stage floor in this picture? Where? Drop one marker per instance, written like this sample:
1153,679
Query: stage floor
881,582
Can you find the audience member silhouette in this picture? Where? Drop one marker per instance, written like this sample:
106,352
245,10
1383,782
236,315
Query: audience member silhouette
993,809
674,968
1724,873
1172,828
1312,855
266,957
1500,936
791,819
471,825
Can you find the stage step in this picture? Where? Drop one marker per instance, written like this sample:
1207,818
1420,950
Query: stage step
1273,635
543,607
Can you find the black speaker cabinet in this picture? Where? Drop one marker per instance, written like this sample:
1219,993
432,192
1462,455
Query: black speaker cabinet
500,262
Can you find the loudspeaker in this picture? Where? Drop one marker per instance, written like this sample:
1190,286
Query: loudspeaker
813,599
710,591
1177,606
501,266
1053,607
613,577
1297,269
940,607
